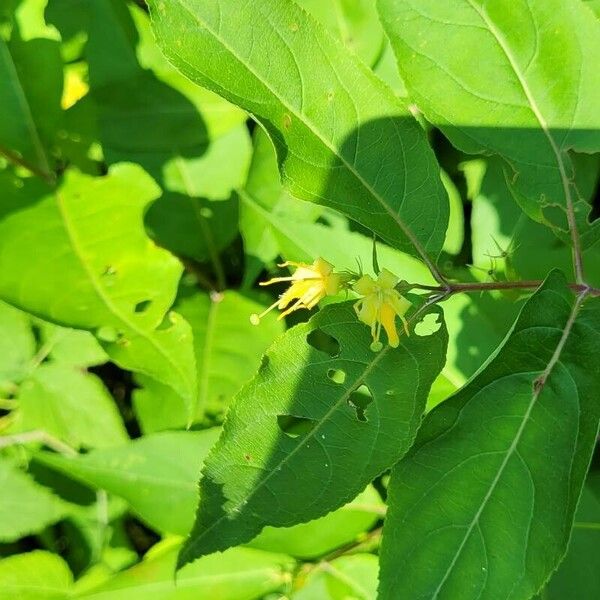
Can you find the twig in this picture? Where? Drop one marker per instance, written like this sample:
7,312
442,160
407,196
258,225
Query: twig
17,160
37,435
468,287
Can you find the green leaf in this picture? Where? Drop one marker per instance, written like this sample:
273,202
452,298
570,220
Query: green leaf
330,141
112,281
265,206
238,574
71,405
455,235
194,144
353,576
227,346
25,506
30,90
354,22
532,250
539,107
577,576
193,227
154,474
316,414
484,504
228,350
17,345
37,575
310,540
71,346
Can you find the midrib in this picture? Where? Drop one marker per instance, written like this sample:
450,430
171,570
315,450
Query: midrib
307,438
72,235
314,130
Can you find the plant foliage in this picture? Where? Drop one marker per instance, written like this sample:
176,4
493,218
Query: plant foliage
409,409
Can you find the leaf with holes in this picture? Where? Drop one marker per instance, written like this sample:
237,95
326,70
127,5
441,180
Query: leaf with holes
324,410
95,268
533,113
343,139
477,509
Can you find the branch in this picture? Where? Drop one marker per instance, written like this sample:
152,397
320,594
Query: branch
17,160
40,436
469,287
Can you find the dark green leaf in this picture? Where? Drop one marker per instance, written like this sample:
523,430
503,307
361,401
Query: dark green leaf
322,407
483,505
30,91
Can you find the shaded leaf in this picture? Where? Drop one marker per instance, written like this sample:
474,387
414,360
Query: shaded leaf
577,576
316,420
30,91
453,497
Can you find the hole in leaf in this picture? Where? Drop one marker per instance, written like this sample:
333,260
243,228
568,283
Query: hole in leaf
295,426
428,325
359,400
336,375
142,306
323,342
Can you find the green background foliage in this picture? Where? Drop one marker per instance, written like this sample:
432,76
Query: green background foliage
159,159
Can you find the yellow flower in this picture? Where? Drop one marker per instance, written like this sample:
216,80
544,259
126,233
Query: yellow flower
309,284
380,305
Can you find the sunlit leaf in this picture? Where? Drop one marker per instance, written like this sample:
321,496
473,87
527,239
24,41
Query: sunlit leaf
361,153
533,113
95,268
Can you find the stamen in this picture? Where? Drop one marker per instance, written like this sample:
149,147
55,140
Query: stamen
275,280
255,318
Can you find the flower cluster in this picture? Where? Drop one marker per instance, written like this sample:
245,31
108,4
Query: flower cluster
378,307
